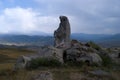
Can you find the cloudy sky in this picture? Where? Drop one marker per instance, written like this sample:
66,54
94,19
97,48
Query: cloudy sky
34,16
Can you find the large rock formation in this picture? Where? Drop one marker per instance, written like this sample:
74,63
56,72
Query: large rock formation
62,34
64,50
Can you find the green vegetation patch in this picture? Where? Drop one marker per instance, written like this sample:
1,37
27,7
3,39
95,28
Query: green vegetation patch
40,62
107,61
93,45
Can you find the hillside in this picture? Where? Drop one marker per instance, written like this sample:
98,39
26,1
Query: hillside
21,40
25,40
70,71
101,39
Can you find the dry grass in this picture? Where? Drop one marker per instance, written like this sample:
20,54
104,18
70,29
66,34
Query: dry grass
116,75
6,66
64,73
58,74
8,57
14,53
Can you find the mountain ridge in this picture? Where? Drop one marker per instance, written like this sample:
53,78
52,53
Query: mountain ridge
105,40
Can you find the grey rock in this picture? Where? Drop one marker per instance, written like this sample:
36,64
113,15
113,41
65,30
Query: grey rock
95,58
52,52
91,58
46,52
82,53
22,61
62,34
43,76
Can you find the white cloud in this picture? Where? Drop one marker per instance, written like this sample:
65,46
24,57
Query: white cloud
86,16
23,20
90,16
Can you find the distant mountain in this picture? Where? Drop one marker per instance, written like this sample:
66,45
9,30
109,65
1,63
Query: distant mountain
89,37
21,40
33,33
101,39
113,41
40,40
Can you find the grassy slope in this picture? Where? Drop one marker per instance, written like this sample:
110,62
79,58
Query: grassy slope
8,56
58,74
68,73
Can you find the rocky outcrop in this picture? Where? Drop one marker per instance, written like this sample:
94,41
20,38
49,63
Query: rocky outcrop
62,34
80,52
64,50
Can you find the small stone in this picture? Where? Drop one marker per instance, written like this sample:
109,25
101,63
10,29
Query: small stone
43,76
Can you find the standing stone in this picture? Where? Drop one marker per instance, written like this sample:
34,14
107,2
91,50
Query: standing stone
62,34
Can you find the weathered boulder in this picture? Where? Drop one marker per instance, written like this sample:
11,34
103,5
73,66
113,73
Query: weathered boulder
80,52
91,58
62,34
95,58
76,55
52,52
22,61
46,52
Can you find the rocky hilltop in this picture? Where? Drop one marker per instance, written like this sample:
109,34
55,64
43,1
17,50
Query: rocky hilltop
66,50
